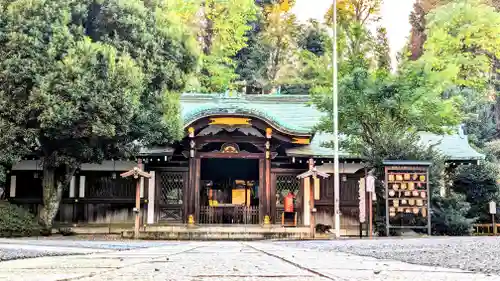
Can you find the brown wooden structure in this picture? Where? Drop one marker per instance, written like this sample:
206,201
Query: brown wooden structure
239,157
407,195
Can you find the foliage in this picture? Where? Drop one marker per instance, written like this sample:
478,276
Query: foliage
449,212
82,81
16,221
462,43
492,150
368,102
222,27
381,112
313,38
358,11
449,215
382,50
479,185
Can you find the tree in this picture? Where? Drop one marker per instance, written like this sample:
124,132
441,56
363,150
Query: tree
380,112
462,46
83,81
279,34
358,11
418,25
223,26
382,50
272,55
479,185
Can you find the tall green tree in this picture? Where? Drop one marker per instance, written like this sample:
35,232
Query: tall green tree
82,81
462,46
222,29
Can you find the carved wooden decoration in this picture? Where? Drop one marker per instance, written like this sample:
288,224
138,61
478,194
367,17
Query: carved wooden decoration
301,141
231,121
230,148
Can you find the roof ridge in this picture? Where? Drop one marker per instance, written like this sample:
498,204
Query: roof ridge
221,97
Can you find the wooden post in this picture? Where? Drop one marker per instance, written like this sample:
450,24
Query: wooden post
370,206
137,173
494,224
313,211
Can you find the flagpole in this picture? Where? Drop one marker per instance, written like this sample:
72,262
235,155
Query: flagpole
336,179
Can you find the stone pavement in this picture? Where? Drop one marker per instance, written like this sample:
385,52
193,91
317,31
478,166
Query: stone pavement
223,261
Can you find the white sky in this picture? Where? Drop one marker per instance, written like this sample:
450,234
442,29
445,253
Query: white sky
395,18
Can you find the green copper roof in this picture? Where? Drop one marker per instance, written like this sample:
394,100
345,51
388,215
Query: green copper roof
293,114
290,114
454,147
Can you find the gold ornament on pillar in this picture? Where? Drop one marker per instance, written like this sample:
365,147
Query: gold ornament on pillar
268,146
269,133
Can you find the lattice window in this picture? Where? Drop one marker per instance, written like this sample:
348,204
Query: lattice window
285,184
171,188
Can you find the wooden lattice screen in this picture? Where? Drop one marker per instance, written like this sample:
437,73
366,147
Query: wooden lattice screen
171,186
285,184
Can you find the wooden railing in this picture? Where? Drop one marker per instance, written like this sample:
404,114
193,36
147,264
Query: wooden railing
480,229
229,214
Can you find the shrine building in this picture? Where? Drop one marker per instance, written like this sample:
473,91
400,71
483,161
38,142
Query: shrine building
239,158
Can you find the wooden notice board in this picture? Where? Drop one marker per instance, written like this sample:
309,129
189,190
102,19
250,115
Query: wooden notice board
407,195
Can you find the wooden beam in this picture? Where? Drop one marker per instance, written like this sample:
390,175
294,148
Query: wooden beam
245,139
241,155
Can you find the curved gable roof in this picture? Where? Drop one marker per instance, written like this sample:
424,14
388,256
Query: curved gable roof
289,114
294,114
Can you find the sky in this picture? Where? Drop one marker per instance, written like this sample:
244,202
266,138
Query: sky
395,15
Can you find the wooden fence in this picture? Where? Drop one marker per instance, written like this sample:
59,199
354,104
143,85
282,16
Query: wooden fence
229,215
482,229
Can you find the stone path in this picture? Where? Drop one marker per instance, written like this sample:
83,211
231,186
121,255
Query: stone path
223,261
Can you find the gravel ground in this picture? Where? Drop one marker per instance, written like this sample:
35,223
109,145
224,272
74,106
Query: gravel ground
478,254
9,254
11,249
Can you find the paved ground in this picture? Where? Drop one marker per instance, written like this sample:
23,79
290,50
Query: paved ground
210,261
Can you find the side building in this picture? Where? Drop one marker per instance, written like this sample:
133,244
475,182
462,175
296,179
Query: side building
239,158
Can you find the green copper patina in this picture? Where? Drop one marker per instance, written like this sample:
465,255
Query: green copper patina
290,115
293,114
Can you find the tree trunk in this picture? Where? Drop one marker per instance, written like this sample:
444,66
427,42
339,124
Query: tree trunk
52,194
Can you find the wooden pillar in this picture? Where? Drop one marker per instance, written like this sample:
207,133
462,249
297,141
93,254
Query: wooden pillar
315,181
151,197
197,168
12,191
268,187
81,191
72,187
267,173
189,204
261,190
307,201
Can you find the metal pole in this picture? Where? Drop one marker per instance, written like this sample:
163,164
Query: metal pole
336,180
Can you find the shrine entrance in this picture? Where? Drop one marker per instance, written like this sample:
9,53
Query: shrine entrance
229,191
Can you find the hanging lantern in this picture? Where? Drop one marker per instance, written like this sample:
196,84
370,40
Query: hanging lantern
191,132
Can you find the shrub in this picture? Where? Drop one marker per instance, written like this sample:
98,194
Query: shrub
449,215
479,185
16,221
